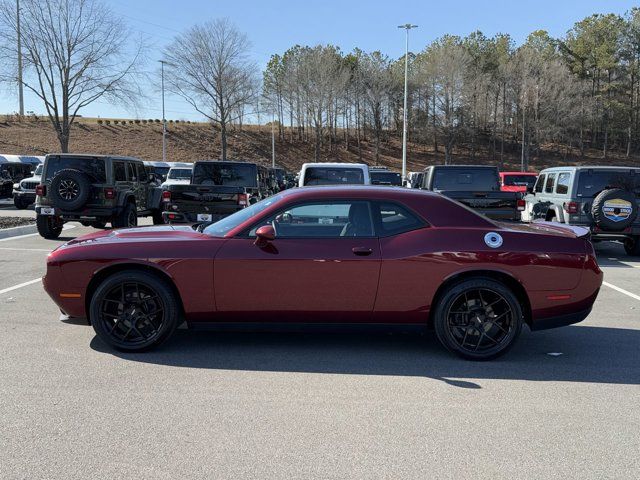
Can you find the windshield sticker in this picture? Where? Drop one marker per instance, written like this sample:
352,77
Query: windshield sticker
617,210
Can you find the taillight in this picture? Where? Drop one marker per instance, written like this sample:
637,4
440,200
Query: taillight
166,196
243,199
172,216
572,207
41,190
521,204
109,193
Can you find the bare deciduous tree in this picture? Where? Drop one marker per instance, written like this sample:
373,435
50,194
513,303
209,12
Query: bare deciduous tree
74,53
208,66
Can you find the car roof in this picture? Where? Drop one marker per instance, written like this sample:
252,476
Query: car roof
519,173
587,167
93,155
366,191
335,165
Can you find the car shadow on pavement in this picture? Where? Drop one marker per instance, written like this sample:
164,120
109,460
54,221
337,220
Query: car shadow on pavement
589,354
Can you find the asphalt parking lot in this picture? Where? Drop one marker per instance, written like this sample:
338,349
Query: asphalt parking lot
214,405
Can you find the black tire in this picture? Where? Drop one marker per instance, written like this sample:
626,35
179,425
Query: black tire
100,224
494,315
85,223
20,203
157,217
49,227
632,246
614,209
127,218
134,311
70,189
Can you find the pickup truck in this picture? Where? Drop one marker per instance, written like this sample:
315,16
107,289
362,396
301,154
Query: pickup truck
217,189
477,187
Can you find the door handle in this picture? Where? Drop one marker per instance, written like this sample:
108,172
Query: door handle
362,251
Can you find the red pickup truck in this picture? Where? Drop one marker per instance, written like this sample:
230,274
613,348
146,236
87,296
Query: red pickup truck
517,181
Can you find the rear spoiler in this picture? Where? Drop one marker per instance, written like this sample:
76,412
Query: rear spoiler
578,232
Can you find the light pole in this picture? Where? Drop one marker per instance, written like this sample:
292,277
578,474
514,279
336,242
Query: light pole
407,27
20,89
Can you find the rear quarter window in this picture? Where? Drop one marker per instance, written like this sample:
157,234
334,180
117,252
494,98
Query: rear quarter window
393,219
91,166
551,181
540,183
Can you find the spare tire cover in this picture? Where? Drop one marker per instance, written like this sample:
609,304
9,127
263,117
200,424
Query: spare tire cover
70,189
614,209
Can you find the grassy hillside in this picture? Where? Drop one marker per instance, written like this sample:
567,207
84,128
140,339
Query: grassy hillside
196,141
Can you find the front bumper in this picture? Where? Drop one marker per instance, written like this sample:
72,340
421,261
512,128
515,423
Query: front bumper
23,195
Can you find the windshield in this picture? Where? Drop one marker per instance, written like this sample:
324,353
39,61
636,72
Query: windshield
180,173
463,179
592,182
38,170
520,180
223,173
94,167
221,227
333,176
386,178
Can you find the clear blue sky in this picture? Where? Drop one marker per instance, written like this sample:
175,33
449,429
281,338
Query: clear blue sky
273,26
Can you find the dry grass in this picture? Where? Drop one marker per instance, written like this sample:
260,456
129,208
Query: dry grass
196,141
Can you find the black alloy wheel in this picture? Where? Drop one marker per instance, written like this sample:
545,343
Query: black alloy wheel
478,319
134,311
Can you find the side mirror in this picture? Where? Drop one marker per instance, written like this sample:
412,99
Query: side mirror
530,189
265,234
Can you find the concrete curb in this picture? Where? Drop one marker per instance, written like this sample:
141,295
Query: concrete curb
17,231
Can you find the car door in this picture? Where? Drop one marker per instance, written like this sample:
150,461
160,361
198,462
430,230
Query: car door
120,179
134,182
323,266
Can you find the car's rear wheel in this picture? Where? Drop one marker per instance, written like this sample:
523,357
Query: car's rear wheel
478,319
134,311
127,218
632,245
99,223
48,226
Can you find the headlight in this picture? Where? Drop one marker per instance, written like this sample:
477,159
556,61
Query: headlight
16,186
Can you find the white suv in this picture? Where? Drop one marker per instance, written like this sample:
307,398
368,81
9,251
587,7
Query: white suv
24,192
334,174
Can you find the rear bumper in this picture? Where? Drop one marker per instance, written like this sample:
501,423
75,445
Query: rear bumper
85,213
561,320
179,216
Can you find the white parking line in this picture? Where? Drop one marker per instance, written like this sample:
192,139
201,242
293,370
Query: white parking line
27,249
8,239
618,289
25,284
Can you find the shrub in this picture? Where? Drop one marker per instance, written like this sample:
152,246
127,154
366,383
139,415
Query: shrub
99,121
150,120
116,122
144,121
107,122
137,121
130,122
170,121
157,120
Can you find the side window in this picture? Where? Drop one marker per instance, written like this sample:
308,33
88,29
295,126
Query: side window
550,183
540,183
119,173
142,173
322,220
131,170
393,219
562,187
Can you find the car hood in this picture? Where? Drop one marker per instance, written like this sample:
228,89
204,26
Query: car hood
547,228
139,234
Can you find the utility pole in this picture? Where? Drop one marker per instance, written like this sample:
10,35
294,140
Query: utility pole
164,120
20,89
407,27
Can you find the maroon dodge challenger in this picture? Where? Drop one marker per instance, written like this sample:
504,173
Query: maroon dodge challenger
332,257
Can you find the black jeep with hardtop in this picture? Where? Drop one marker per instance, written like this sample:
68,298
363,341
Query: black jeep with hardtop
94,190
475,186
217,189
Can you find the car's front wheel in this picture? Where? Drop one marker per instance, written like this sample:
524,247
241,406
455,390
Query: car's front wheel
20,203
478,319
134,311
